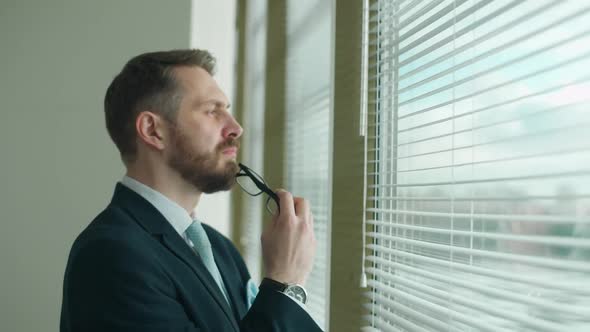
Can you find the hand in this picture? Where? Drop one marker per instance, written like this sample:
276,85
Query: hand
288,243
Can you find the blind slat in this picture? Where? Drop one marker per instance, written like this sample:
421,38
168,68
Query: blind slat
564,197
539,325
544,133
539,239
487,290
517,79
574,266
561,219
492,161
510,276
483,39
410,312
438,309
493,69
486,180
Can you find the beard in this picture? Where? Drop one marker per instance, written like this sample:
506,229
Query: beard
203,170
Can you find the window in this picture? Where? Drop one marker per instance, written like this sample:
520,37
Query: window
287,123
478,165
253,122
307,134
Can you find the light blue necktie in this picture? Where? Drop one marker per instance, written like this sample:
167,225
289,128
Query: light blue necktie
196,233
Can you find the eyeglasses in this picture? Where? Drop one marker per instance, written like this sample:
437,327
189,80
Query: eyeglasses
254,185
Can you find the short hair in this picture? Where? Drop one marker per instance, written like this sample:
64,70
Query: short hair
147,81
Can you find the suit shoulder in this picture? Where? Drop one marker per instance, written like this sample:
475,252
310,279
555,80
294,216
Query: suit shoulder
110,231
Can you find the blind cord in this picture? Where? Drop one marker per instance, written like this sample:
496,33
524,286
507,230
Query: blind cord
364,71
363,131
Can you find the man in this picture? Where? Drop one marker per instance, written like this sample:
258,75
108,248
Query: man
146,263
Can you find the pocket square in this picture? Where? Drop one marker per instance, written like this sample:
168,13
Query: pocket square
251,292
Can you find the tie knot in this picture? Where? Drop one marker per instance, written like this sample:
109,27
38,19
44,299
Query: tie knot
196,233
195,223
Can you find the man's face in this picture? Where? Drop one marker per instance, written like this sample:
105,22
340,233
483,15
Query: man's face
205,136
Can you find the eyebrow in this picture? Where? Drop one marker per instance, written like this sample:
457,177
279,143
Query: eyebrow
216,102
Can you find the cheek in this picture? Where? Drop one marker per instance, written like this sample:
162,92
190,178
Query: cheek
201,135
209,137
203,142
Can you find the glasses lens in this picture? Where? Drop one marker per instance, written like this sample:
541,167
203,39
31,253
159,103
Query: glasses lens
256,175
271,206
248,185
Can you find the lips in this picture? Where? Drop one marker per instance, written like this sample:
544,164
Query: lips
230,147
232,151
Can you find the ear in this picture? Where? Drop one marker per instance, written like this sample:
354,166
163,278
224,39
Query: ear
151,130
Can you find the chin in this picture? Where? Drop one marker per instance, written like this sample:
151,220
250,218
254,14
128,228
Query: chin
215,187
231,163
222,180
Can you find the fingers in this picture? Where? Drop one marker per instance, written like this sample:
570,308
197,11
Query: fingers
286,204
301,207
297,206
289,244
310,220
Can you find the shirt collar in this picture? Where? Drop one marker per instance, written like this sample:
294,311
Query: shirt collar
177,216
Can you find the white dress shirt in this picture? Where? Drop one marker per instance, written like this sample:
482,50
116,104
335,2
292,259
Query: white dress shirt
175,214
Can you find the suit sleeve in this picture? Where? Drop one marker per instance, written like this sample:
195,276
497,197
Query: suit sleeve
271,310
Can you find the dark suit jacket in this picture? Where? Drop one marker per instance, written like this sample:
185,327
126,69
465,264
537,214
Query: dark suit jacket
129,270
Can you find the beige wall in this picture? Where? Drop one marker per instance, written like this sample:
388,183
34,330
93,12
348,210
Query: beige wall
57,164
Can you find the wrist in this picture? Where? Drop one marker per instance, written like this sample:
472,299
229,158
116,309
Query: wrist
295,291
285,279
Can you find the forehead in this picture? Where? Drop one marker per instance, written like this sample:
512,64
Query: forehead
198,85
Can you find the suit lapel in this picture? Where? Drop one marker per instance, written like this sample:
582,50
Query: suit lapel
154,222
229,280
177,245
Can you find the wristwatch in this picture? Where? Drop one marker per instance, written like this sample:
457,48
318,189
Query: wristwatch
297,292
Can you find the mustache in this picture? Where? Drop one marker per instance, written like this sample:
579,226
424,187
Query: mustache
230,143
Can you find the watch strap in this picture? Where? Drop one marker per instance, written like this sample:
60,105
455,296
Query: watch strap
273,284
287,289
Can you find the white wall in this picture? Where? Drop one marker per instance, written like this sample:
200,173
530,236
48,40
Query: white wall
213,28
58,166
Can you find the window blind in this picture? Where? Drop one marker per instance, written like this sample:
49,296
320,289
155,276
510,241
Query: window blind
253,138
307,133
477,165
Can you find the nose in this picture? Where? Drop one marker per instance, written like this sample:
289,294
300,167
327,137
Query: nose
232,129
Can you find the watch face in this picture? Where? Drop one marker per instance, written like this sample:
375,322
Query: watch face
297,292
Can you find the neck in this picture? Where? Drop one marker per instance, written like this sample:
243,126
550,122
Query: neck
168,183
